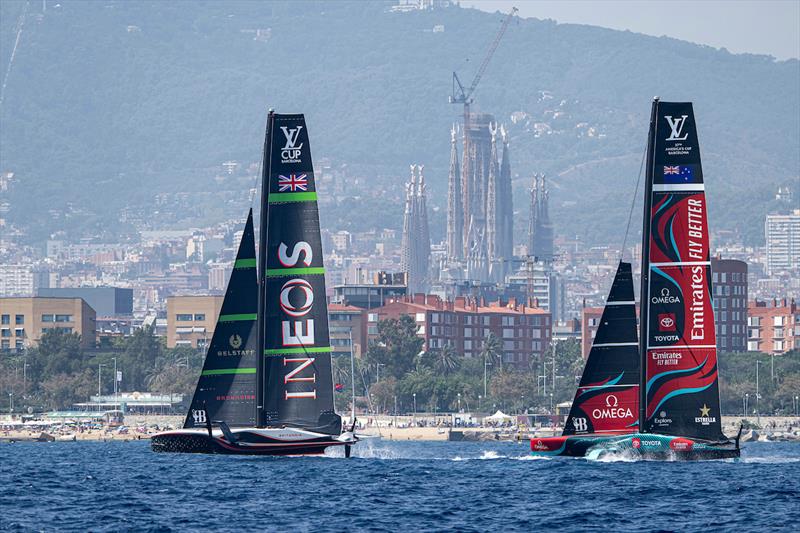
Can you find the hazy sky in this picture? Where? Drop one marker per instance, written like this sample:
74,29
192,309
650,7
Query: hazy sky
755,26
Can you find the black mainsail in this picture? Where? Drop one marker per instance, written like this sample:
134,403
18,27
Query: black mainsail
607,399
297,383
266,387
226,389
680,395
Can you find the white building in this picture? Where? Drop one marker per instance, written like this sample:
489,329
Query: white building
16,280
783,242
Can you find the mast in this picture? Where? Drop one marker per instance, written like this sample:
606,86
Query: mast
262,268
645,270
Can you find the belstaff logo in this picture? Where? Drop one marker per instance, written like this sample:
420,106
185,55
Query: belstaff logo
290,153
580,424
676,127
235,341
199,416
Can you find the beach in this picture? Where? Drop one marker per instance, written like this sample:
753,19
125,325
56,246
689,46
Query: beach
401,428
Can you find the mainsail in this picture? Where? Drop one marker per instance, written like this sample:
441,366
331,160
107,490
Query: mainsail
607,399
681,393
226,389
297,383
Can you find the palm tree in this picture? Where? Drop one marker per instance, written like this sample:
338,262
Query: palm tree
491,353
446,360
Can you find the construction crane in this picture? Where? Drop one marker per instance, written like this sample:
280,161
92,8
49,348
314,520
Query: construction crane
462,96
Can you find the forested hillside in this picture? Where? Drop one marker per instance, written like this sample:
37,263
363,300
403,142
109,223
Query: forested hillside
109,103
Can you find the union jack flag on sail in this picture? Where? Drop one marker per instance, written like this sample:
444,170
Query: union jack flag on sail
293,183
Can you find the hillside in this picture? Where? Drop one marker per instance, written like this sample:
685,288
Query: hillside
110,103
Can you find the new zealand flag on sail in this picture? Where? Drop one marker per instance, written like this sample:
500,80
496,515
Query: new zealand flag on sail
679,174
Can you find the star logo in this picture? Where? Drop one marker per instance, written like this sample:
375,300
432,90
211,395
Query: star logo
704,410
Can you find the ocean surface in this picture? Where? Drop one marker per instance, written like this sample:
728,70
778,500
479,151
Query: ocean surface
391,486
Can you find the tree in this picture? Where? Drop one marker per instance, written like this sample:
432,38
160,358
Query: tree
492,350
61,391
58,352
396,347
140,353
445,360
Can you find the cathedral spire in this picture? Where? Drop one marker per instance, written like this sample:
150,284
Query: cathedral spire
455,204
416,245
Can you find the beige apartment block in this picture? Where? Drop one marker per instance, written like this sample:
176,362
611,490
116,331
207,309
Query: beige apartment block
24,320
191,320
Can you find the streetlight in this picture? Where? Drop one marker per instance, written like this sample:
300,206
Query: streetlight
485,371
796,404
459,402
11,402
758,413
99,373
746,401
415,408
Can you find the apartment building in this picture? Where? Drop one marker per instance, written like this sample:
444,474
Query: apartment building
464,324
773,327
23,321
191,320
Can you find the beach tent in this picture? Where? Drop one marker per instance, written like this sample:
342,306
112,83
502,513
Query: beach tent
499,416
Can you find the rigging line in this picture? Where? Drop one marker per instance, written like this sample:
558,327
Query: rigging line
633,203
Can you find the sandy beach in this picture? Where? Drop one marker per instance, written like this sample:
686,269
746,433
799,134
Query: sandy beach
420,428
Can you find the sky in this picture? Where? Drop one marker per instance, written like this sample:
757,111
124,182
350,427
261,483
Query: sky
769,27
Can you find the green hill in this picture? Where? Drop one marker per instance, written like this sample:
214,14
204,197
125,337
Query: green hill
109,103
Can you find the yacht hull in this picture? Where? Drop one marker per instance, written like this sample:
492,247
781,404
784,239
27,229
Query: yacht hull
247,441
639,445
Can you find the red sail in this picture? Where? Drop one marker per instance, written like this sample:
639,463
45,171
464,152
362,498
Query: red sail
680,378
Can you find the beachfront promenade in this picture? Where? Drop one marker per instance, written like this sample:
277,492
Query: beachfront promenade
405,428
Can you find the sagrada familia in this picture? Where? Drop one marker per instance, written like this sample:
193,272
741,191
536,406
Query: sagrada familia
480,223
479,245
415,253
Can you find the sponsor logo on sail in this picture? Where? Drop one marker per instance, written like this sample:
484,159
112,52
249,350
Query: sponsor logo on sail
611,410
666,358
666,322
235,341
676,127
665,298
290,153
580,424
199,416
298,331
704,417
662,419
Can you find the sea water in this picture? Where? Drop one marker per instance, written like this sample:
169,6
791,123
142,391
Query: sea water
391,486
